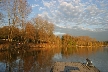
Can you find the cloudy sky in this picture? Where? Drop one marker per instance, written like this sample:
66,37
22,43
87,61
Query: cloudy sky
75,17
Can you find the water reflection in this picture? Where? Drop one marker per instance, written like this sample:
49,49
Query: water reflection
80,51
41,60
38,60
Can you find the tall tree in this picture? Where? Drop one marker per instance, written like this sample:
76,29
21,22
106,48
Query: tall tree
1,16
30,32
24,9
16,12
44,29
6,7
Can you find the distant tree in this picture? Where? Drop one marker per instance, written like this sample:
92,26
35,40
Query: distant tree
30,32
80,41
44,29
16,33
4,32
67,40
1,16
58,41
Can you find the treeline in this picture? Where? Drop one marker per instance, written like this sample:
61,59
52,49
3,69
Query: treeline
81,41
36,31
16,27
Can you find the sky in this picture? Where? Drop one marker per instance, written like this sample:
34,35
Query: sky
75,17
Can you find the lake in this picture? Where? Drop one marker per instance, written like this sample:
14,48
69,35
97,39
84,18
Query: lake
41,60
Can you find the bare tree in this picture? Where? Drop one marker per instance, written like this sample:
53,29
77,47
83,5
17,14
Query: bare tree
44,29
24,10
6,6
16,12
1,16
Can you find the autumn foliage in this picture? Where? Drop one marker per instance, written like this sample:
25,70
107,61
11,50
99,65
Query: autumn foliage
17,28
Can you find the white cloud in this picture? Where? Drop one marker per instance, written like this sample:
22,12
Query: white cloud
76,12
45,16
41,8
59,33
36,0
34,5
49,4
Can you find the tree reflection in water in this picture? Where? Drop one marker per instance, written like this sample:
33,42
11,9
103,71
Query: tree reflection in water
36,60
82,51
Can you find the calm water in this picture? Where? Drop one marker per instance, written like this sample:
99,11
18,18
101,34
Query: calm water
42,60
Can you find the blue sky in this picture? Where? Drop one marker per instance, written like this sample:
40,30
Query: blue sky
87,15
